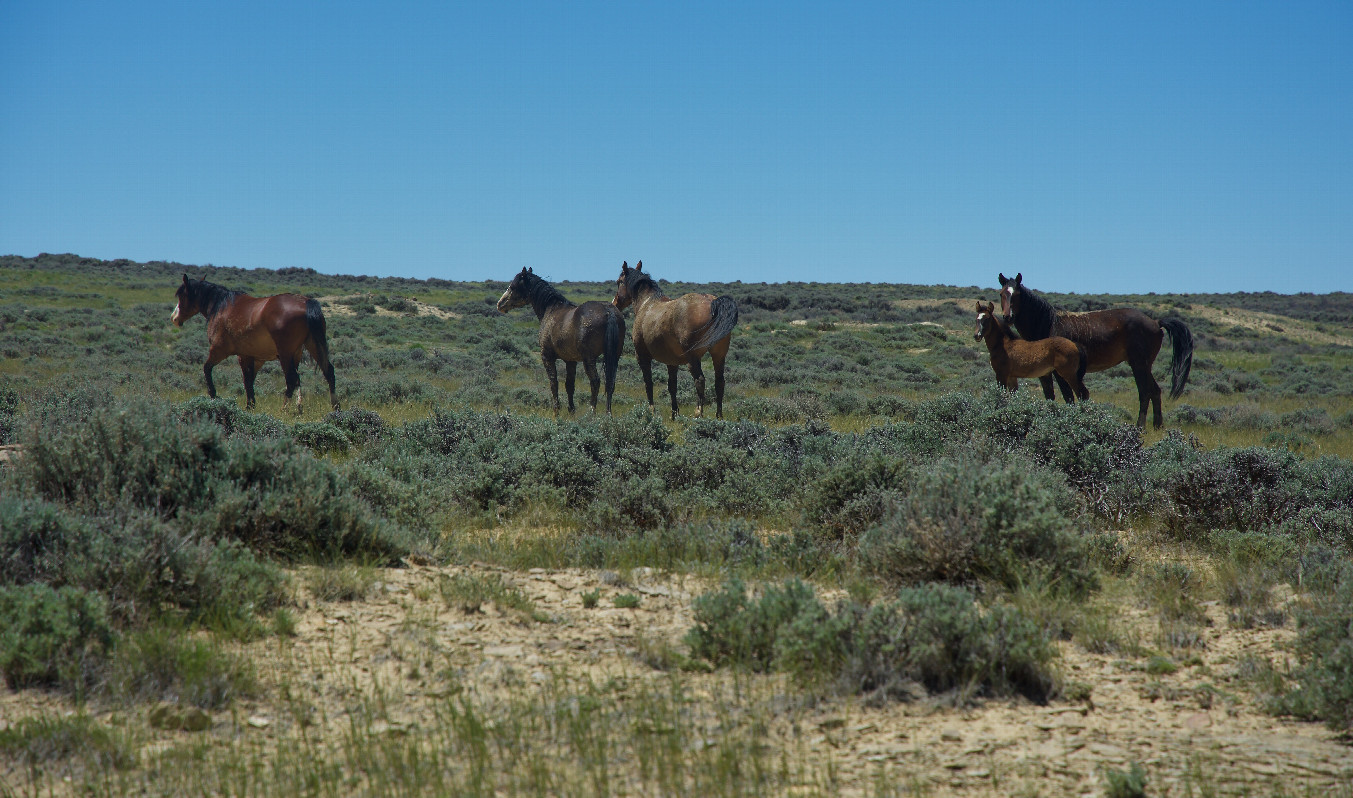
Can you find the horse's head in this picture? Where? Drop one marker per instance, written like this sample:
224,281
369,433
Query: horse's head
1012,294
518,291
986,317
187,304
624,285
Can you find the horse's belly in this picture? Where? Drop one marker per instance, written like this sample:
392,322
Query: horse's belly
259,346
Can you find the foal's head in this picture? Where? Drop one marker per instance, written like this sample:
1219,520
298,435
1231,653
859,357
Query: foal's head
1012,294
626,284
986,321
518,291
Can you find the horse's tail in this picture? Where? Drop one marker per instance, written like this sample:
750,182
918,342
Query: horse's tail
314,320
723,317
615,344
1182,359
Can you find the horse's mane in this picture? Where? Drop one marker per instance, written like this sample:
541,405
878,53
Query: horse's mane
210,297
637,279
542,294
1036,316
1004,327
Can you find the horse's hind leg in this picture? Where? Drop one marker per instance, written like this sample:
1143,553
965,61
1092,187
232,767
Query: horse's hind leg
1068,393
293,378
249,368
570,372
590,366
699,376
672,388
719,353
1148,392
326,368
646,367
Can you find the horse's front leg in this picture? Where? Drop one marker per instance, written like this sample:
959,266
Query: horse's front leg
1046,382
672,387
699,377
646,367
206,372
590,366
570,372
552,371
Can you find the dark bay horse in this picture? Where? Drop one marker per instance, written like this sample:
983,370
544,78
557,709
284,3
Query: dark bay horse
258,329
677,332
572,333
1012,357
1109,337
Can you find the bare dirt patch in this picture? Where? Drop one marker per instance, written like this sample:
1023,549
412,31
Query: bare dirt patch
332,306
407,650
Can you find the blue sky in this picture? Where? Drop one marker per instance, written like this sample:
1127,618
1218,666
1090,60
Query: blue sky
1093,146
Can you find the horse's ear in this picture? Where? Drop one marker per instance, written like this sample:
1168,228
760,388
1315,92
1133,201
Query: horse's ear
979,306
185,279
1019,279
638,267
531,270
1002,278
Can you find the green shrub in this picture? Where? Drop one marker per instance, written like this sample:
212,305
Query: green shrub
320,437
1324,645
731,629
966,518
164,663
39,740
934,636
52,637
854,496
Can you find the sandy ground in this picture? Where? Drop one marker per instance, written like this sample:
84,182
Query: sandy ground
1196,731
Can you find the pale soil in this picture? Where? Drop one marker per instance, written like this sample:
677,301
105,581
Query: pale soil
1272,324
331,306
1191,742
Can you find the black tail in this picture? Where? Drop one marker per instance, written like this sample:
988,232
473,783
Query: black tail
615,344
723,317
1182,359
314,319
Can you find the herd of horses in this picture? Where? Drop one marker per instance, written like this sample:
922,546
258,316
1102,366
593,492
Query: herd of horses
680,331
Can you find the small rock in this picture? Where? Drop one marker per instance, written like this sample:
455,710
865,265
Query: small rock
1198,721
951,736
165,716
259,722
195,720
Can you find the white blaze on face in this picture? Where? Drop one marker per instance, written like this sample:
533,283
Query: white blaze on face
174,317
502,301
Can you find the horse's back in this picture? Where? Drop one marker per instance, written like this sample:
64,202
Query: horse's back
262,328
1110,336
576,332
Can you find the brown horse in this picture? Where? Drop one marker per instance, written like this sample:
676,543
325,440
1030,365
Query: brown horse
1109,337
677,332
258,330
1012,357
572,333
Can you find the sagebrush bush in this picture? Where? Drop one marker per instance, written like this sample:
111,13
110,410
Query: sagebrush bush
52,637
267,493
162,663
1324,644
966,518
934,636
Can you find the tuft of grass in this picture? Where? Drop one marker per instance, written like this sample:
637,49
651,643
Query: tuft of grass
46,739
626,601
469,592
165,664
1130,783
341,582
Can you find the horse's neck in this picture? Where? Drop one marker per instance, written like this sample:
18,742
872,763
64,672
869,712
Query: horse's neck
648,294
549,299
996,340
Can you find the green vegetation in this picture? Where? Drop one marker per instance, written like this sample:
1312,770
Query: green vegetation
147,531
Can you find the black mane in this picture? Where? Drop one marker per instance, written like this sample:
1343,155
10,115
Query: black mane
1036,316
636,279
541,294
210,298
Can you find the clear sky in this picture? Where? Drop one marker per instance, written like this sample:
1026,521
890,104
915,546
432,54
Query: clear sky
1093,146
